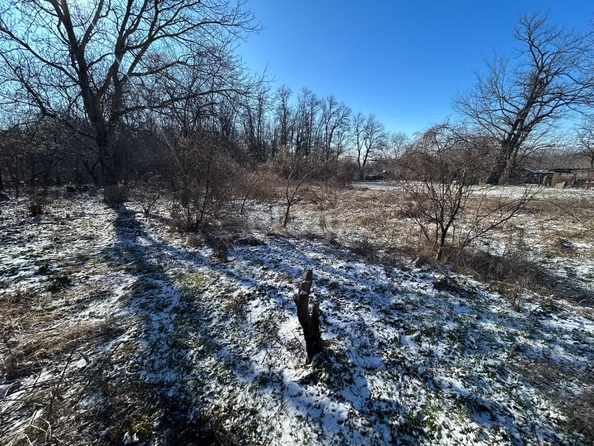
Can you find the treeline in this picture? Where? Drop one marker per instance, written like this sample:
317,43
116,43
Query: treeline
113,92
251,128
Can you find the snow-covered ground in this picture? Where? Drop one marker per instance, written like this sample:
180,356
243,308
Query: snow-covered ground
111,323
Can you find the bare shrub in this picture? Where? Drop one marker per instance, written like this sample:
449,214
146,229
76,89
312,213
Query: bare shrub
261,183
344,172
207,177
220,245
115,195
38,203
513,270
194,241
446,164
148,192
295,171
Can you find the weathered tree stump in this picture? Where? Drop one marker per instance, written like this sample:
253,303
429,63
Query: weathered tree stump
309,323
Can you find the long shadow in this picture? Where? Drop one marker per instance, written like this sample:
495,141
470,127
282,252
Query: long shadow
181,360
139,392
160,301
478,335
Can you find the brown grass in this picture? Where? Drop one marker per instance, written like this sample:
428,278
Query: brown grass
578,407
28,350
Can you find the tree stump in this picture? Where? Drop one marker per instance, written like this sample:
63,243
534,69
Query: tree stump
309,323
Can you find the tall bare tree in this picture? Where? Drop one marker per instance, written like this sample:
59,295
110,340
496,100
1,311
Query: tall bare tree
334,122
105,59
306,116
521,97
397,144
284,117
585,140
369,137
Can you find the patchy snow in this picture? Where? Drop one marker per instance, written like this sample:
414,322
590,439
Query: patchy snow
403,362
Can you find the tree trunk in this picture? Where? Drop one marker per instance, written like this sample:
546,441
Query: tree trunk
287,214
310,323
105,154
496,174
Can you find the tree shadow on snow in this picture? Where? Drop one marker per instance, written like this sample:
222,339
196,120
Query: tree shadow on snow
205,327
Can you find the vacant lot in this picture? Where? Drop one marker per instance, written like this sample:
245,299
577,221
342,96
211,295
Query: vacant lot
115,329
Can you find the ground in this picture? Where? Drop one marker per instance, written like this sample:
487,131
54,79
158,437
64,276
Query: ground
115,329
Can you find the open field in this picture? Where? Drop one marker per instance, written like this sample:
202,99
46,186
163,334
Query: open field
116,329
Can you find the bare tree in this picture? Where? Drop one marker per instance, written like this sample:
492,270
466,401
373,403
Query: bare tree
296,172
308,106
256,124
334,123
105,59
446,162
397,144
283,118
521,97
585,140
369,137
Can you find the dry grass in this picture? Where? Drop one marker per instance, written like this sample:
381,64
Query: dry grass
381,223
29,350
550,379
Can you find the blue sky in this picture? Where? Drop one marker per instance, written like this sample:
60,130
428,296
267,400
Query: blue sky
402,60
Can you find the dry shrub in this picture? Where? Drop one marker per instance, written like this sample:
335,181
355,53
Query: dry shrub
259,183
148,192
323,196
37,204
374,219
207,184
194,241
513,268
344,171
220,245
115,195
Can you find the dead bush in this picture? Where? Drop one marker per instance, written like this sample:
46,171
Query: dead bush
220,245
445,162
257,183
512,269
38,203
148,192
207,183
115,195
194,241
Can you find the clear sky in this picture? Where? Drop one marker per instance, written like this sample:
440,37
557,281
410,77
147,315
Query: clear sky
402,60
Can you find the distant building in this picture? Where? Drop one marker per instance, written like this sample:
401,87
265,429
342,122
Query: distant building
559,177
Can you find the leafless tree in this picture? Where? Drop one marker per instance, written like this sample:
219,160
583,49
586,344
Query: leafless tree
283,117
308,106
446,162
521,97
397,144
585,140
105,59
369,137
295,171
334,123
256,125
